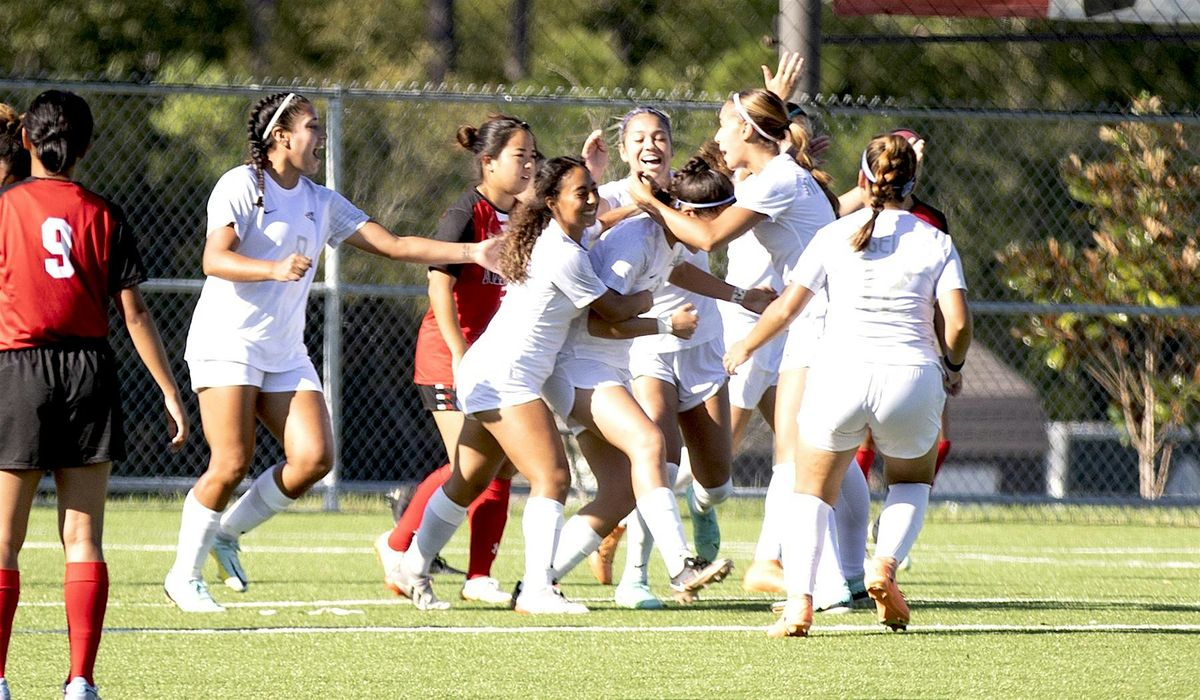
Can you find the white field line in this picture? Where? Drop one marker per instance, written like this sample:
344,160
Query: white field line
681,629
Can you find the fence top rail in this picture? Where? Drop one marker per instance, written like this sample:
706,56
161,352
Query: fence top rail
841,105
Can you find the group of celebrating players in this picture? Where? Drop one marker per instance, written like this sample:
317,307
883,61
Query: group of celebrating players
553,301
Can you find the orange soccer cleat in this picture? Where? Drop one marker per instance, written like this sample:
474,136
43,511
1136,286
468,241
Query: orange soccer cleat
601,560
795,620
889,599
764,576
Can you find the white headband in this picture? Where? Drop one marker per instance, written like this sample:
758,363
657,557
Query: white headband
275,117
737,104
707,205
906,190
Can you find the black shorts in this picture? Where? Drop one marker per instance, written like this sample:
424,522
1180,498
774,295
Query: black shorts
61,407
438,397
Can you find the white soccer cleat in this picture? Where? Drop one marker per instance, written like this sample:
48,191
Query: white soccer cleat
418,589
547,601
390,560
636,595
485,589
4,694
229,565
190,595
80,689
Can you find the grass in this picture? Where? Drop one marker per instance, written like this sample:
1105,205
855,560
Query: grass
1029,609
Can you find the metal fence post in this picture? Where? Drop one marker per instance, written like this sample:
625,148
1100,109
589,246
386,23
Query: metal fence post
800,31
333,304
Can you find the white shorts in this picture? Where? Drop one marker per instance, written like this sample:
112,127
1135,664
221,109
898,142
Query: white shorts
902,405
697,372
488,393
799,349
575,373
206,374
761,371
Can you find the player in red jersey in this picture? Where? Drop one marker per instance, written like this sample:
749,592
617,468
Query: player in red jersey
64,253
462,300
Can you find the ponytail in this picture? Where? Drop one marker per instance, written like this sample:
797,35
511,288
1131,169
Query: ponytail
279,109
890,167
799,137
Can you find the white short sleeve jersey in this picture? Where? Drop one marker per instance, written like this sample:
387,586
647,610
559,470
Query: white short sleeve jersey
750,265
794,205
630,257
668,297
524,337
881,299
261,324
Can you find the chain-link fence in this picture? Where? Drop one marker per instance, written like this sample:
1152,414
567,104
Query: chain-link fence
1033,423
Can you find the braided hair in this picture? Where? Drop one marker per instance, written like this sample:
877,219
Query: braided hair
13,157
531,217
259,141
890,166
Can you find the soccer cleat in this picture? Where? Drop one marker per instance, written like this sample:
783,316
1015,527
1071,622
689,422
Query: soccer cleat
229,565
705,528
881,585
398,499
834,601
795,620
765,576
484,589
390,560
418,589
439,566
4,693
637,595
190,595
601,560
547,601
698,573
80,689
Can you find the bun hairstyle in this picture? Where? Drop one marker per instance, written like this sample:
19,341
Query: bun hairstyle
698,183
889,164
59,125
13,156
278,110
490,137
531,217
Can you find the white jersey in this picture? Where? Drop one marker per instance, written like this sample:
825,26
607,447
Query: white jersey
750,265
630,257
524,337
261,324
668,297
881,299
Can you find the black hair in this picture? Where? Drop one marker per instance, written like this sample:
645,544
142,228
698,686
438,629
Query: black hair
490,137
531,217
697,182
13,155
259,140
59,125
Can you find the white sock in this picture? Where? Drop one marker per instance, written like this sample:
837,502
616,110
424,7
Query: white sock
704,499
541,523
829,568
901,520
680,475
576,541
779,492
806,524
661,515
261,501
441,519
853,514
197,529
639,544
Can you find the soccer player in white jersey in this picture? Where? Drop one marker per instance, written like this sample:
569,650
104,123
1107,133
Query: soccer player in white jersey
678,382
245,350
782,201
500,379
879,367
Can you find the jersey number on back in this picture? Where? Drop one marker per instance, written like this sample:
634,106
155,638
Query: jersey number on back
56,239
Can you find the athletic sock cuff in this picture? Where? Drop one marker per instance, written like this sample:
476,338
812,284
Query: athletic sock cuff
444,508
270,493
96,571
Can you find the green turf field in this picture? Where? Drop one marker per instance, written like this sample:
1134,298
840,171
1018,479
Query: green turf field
1010,609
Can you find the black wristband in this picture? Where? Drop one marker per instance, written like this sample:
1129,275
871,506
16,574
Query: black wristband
952,366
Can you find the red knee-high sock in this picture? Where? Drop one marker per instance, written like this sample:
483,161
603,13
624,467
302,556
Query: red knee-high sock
85,591
864,459
487,514
406,527
943,450
10,592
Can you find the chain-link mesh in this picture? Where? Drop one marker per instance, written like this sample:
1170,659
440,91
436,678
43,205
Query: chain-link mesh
1028,426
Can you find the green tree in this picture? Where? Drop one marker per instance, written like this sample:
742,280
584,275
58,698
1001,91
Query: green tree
1145,215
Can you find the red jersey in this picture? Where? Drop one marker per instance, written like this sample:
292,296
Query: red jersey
477,291
930,215
64,251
